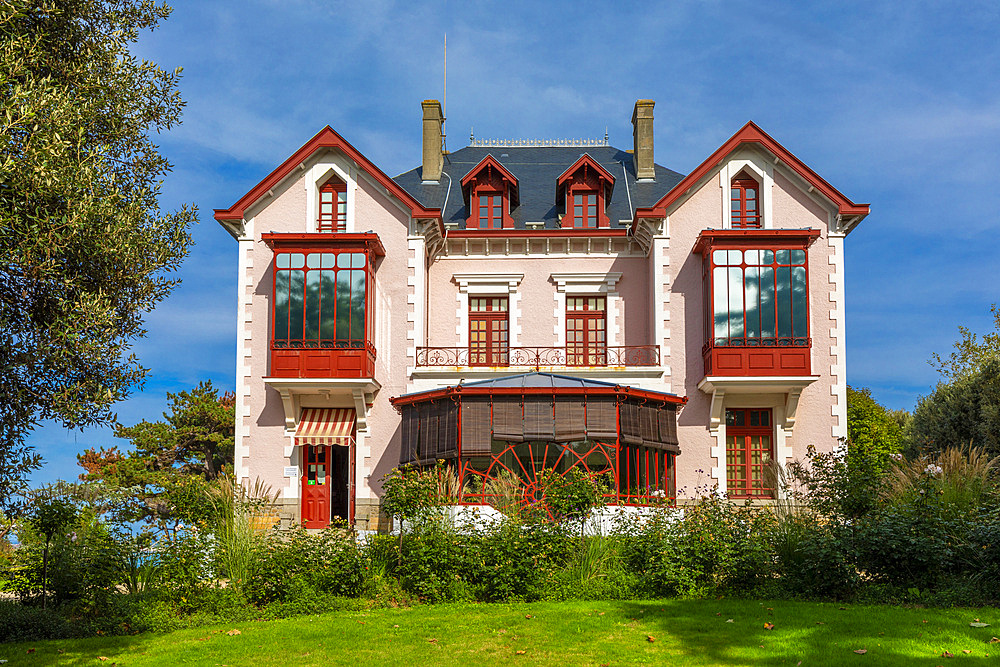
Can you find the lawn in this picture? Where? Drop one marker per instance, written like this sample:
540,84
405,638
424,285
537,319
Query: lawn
673,632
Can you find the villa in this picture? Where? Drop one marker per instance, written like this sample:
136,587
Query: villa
519,305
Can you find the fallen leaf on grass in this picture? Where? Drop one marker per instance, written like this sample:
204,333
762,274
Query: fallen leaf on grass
650,638
60,650
977,624
600,613
527,615
769,626
820,623
518,652
361,622
102,658
432,641
966,651
31,650
861,651
947,654
233,632
729,620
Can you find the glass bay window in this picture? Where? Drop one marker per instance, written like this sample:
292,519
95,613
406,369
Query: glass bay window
760,297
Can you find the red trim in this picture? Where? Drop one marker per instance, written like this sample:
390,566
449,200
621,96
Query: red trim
584,159
751,134
491,161
325,138
333,220
589,179
749,239
744,209
535,233
623,392
742,473
324,240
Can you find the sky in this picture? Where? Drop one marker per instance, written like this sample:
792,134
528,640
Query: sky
895,104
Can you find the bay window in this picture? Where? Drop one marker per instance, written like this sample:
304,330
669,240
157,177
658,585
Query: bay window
322,315
756,293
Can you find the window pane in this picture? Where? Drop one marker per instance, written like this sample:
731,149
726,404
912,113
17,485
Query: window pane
719,257
312,261
767,257
344,260
736,303
312,297
328,260
358,305
296,260
735,257
281,305
752,295
782,256
326,196
767,302
328,294
343,305
800,326
297,284
798,257
282,260
783,297
720,303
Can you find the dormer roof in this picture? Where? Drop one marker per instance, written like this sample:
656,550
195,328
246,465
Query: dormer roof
585,162
490,164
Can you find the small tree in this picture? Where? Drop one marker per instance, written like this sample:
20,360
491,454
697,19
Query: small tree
873,432
48,517
571,496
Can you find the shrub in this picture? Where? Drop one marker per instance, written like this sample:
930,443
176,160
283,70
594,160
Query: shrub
20,623
814,559
326,563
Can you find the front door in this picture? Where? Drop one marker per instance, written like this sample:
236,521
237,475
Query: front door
316,486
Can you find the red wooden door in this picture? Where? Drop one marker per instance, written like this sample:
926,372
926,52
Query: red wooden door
316,487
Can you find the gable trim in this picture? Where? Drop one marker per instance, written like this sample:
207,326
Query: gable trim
752,134
325,138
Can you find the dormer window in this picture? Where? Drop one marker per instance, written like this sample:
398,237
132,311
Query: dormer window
490,192
332,206
585,189
745,202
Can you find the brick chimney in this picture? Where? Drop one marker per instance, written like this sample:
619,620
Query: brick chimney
433,157
642,140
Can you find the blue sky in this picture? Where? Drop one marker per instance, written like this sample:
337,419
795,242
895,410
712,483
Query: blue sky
896,104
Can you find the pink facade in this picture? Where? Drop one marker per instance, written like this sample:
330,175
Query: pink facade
450,302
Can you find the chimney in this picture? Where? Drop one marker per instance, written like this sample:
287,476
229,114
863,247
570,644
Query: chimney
433,157
642,140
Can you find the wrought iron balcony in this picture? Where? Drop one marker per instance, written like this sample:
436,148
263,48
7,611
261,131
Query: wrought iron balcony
538,357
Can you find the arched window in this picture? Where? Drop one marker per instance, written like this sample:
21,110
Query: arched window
332,206
745,202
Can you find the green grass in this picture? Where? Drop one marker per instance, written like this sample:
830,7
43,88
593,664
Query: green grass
685,632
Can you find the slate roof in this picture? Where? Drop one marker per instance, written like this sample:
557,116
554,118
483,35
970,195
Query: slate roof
537,169
530,380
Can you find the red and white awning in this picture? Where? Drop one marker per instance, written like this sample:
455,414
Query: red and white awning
325,426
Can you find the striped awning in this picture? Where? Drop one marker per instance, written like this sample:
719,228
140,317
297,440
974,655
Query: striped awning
325,426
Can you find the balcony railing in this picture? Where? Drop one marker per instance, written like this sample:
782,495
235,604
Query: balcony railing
537,357
749,356
322,359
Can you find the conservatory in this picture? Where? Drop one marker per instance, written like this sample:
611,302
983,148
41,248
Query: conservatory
524,424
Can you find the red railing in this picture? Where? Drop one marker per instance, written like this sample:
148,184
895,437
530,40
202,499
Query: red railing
747,357
537,357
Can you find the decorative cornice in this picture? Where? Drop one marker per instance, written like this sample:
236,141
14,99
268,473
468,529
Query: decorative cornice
592,282
488,283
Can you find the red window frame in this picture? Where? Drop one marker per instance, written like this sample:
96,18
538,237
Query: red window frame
488,331
586,331
490,216
744,202
585,205
332,207
747,455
